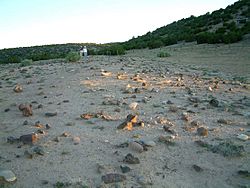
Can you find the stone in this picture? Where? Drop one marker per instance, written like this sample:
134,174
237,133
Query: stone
40,106
173,108
7,175
6,110
133,105
28,138
195,123
169,140
197,168
149,143
129,122
202,131
38,150
243,137
26,109
113,178
50,114
47,126
135,146
130,159
70,124
25,122
224,121
18,88
76,140
214,102
125,169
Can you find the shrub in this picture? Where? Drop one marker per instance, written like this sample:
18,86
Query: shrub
73,57
26,62
163,54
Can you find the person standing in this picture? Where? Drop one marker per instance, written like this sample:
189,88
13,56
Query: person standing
85,53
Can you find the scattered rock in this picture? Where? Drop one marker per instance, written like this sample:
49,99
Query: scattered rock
197,168
149,143
202,143
243,137
50,114
125,169
26,109
25,122
6,110
135,146
28,138
47,126
65,134
18,88
130,159
40,106
128,124
244,173
202,131
224,121
39,150
133,105
173,108
70,124
7,175
76,140
195,123
113,178
214,102
185,116
169,140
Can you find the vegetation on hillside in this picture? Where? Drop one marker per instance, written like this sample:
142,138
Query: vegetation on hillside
221,26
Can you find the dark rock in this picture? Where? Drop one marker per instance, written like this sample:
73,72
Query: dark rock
25,122
50,114
39,150
197,168
130,159
214,102
244,173
7,110
47,126
65,101
40,106
28,138
224,121
202,131
125,169
113,178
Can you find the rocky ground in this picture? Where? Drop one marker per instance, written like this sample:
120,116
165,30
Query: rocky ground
127,121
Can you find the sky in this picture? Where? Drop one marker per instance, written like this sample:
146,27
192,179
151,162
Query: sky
40,22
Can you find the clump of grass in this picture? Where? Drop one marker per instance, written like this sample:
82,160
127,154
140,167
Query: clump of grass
73,57
163,54
26,62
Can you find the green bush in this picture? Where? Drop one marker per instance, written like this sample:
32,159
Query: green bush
163,54
26,62
73,57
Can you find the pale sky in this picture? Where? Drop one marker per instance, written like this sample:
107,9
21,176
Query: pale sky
39,22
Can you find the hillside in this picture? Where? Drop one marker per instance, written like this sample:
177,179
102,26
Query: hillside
221,26
227,25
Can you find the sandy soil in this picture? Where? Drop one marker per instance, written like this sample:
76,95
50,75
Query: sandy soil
79,152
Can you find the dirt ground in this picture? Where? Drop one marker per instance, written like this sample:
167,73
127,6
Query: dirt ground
199,87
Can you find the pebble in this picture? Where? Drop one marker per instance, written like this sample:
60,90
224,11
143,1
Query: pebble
243,137
25,122
224,121
18,88
130,159
7,175
125,169
50,114
149,143
38,150
133,105
76,140
40,106
47,126
202,131
214,102
197,168
29,138
6,110
135,146
113,178
70,124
